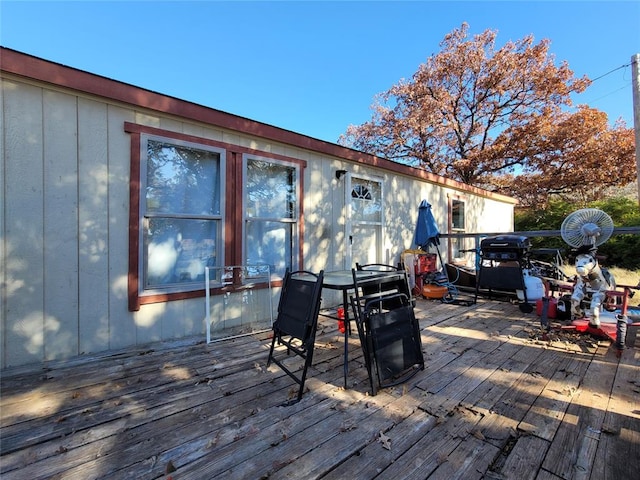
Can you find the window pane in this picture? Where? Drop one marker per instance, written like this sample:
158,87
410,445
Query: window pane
457,214
182,180
177,250
271,190
269,243
366,201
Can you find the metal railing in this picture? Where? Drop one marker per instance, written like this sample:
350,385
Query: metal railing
531,233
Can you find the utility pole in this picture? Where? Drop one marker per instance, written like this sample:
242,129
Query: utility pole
635,71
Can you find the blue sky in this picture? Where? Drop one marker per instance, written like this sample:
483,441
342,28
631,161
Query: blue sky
309,66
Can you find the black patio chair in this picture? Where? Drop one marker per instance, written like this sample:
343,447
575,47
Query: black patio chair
395,284
389,334
296,323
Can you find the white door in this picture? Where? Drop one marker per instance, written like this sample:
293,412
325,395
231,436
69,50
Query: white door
364,219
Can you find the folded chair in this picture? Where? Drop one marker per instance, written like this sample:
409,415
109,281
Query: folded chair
396,284
295,325
389,334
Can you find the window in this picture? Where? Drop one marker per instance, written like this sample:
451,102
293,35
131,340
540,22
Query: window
457,215
197,203
271,213
180,213
457,226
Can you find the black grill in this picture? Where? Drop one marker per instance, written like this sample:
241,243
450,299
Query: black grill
505,247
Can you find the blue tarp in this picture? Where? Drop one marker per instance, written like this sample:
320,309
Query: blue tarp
427,232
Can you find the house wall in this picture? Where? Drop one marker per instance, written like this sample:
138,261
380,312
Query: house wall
65,222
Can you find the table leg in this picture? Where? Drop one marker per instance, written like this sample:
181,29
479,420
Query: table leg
346,336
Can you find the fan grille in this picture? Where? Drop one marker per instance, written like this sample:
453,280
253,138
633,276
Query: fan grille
589,226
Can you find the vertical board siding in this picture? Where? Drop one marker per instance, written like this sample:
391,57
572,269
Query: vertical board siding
172,320
3,255
193,318
93,226
148,321
60,146
122,324
400,214
318,225
24,225
337,248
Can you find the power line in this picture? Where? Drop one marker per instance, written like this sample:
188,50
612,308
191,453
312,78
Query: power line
608,73
610,93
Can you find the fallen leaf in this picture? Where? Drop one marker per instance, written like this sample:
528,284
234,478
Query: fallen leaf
348,425
385,441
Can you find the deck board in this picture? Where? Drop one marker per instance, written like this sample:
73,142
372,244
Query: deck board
494,401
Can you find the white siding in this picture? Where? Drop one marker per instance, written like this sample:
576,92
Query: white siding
60,201
23,235
123,329
3,257
93,225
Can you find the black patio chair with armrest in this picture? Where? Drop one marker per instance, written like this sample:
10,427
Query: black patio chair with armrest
390,337
296,323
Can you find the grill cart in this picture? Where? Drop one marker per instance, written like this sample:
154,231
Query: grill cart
504,262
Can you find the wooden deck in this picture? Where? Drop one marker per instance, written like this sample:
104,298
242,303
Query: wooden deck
493,402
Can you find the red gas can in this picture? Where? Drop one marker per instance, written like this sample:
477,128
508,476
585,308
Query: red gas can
553,307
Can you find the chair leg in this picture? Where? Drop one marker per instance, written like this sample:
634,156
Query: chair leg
273,344
307,363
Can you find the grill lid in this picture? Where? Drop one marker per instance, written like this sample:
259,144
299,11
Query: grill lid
505,247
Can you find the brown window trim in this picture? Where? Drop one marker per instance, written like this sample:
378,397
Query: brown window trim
232,219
